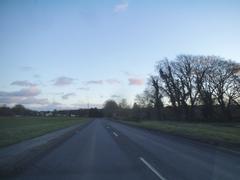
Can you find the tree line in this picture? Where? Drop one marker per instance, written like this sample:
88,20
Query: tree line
17,110
190,88
20,110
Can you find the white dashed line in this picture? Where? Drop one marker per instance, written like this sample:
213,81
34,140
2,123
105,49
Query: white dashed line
115,134
152,169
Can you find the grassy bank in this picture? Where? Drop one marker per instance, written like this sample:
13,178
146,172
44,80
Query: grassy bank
16,129
215,133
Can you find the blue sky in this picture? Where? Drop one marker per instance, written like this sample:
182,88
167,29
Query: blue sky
67,54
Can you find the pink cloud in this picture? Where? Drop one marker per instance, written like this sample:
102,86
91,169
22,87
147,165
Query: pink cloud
135,81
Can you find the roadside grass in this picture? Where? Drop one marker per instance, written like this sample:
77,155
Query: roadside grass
17,129
214,133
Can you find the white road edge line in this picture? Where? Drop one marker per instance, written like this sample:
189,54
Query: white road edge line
152,169
115,134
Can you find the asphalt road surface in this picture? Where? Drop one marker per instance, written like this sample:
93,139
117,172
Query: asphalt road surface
106,150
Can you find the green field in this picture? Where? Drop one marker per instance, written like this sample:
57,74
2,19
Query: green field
16,129
218,133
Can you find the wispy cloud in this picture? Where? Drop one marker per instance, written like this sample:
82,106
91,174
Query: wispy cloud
33,100
24,100
63,81
95,82
23,96
26,92
100,82
66,96
36,76
131,74
50,106
113,81
136,81
26,68
121,7
115,96
22,83
84,88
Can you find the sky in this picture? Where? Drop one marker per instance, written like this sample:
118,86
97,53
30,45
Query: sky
77,54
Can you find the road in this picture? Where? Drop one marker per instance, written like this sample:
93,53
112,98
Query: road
106,150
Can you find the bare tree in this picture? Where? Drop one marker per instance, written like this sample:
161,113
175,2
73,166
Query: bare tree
207,98
144,100
170,86
174,84
189,81
191,72
225,79
156,95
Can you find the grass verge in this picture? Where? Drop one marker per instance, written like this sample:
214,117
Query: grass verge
215,133
17,129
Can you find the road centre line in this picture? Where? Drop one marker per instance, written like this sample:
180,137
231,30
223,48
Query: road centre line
152,169
115,134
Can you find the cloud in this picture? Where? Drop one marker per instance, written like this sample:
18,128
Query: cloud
108,81
33,100
130,74
26,68
22,83
114,96
36,76
23,96
66,96
95,82
63,81
49,106
120,7
26,92
113,81
23,100
127,73
135,81
84,88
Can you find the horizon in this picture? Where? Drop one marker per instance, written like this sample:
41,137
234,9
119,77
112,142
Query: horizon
71,55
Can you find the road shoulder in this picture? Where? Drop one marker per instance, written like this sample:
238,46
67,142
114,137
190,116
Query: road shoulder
222,146
14,158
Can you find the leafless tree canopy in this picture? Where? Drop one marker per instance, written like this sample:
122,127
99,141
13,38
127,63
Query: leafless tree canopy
189,81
